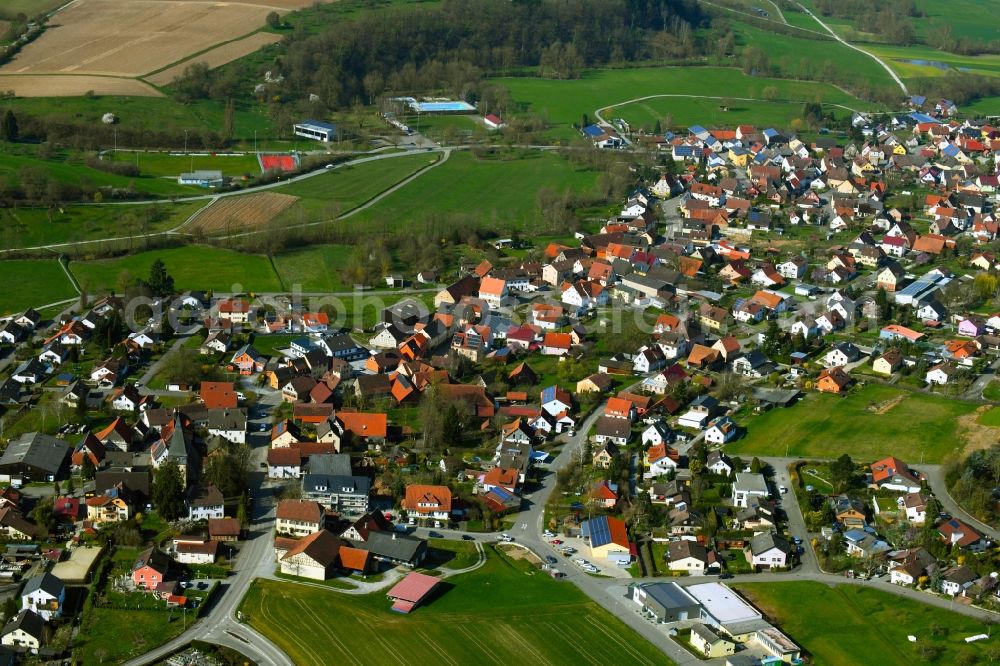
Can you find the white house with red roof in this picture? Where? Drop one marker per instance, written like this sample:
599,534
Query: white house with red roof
893,474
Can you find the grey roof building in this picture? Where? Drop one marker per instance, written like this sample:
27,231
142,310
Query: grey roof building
667,602
396,548
35,457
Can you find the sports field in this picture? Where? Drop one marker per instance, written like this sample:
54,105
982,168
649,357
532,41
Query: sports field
504,190
850,624
32,282
498,614
875,422
192,267
564,102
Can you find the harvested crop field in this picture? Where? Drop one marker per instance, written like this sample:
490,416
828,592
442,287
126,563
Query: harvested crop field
40,85
218,56
253,210
115,38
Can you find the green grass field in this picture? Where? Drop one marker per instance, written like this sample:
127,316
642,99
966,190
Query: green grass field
505,189
498,614
351,186
30,8
314,269
165,164
825,426
31,227
990,417
192,267
895,56
149,114
564,102
973,19
802,56
992,391
849,624
32,282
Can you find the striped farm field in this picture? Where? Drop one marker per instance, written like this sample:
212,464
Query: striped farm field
246,212
506,612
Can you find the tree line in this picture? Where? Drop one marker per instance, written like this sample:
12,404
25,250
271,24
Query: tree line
454,45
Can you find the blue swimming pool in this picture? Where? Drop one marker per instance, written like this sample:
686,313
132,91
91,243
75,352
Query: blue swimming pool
442,107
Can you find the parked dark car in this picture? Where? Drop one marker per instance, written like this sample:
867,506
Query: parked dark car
550,559
724,576
468,537
435,535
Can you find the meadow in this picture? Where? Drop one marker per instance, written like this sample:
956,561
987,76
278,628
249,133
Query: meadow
502,189
32,282
801,56
32,227
919,427
848,624
147,114
563,103
346,187
494,615
189,267
972,19
316,268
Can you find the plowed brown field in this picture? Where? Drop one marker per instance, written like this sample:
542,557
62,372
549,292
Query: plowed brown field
236,213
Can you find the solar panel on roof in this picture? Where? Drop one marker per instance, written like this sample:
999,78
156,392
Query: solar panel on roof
600,531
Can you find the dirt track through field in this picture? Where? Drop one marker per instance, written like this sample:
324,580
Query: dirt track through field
218,56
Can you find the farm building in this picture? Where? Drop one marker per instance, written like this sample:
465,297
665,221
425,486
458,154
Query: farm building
410,591
201,178
314,129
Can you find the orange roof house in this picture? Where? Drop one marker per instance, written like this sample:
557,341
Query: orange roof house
833,380
619,408
218,395
929,243
702,356
363,425
427,500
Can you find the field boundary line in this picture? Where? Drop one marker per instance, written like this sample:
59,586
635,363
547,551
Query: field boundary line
195,55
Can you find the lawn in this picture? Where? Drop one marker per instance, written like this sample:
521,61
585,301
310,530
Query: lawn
504,190
564,102
111,635
32,282
166,164
497,614
192,267
452,554
825,426
848,624
32,227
